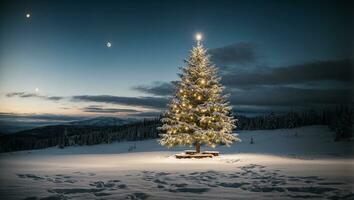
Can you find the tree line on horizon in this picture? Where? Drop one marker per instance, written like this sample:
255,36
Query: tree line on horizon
339,120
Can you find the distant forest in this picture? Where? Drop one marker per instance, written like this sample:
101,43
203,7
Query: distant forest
340,120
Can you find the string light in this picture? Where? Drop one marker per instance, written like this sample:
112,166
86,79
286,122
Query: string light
188,120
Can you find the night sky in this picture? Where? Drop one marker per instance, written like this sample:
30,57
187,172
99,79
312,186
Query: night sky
273,55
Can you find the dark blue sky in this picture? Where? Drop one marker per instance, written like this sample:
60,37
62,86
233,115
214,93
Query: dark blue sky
61,50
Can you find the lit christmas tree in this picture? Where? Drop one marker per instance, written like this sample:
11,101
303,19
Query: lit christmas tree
199,113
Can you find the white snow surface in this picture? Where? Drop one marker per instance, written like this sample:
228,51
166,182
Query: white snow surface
299,163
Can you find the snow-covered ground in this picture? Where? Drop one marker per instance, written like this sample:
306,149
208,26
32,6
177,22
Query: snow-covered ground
296,163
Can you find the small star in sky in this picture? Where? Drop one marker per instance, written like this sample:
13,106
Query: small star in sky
109,44
28,15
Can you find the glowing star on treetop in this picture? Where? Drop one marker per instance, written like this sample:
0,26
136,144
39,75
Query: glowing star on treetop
198,37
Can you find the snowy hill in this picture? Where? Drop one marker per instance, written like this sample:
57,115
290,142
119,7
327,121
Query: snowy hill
299,163
103,121
78,134
304,142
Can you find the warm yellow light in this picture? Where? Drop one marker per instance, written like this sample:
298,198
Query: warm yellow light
186,128
199,97
202,81
180,90
198,36
190,106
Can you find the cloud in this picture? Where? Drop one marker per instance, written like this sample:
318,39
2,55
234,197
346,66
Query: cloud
322,82
150,102
331,70
238,53
157,88
289,96
313,83
33,95
100,109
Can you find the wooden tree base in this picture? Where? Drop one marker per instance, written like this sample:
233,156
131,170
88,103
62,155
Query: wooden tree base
193,154
190,152
214,153
198,156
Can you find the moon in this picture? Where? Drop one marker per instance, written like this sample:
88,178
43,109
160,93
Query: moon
36,89
109,44
28,15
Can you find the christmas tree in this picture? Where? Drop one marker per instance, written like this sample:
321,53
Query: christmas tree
199,113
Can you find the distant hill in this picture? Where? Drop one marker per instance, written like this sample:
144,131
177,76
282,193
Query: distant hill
79,133
103,121
109,129
10,127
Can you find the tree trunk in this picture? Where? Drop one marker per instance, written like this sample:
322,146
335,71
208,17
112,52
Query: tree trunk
197,147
